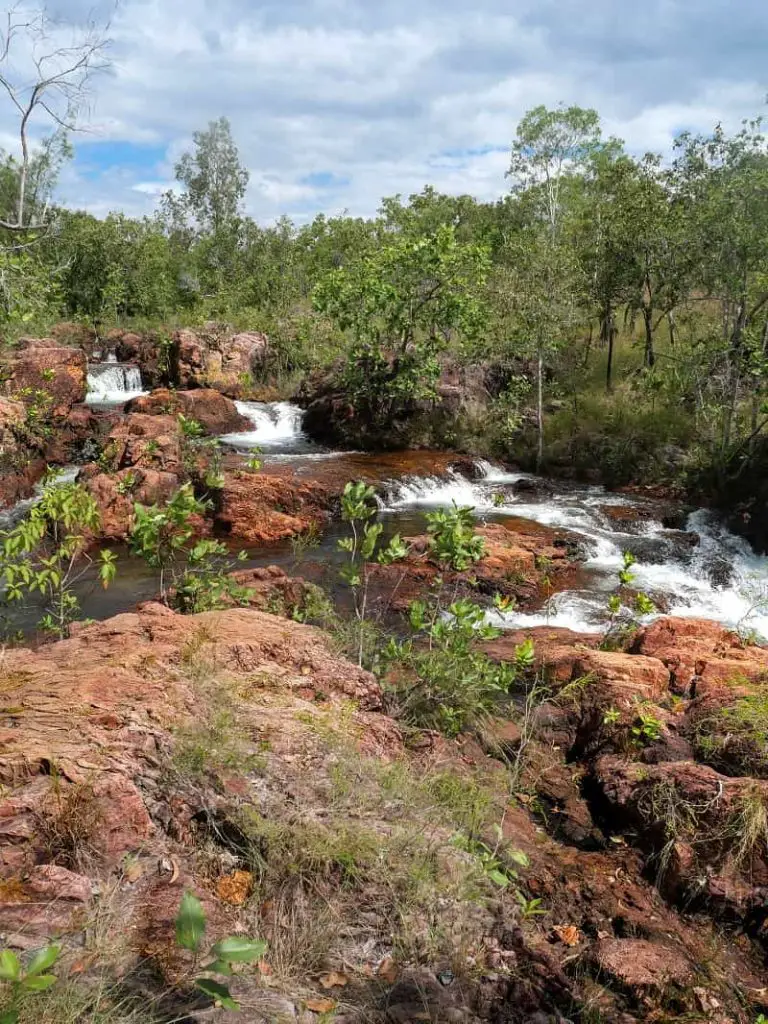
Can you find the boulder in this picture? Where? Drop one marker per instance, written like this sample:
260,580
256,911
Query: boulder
116,493
261,508
215,357
216,413
148,442
701,654
44,372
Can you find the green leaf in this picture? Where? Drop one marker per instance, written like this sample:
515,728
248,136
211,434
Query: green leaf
10,967
218,967
43,959
39,983
238,950
217,991
9,1017
498,877
190,923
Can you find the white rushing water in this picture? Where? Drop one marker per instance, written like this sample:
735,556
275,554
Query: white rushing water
719,578
275,425
113,383
10,517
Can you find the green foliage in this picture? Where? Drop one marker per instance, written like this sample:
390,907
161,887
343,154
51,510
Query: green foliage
358,508
46,554
193,577
401,302
18,980
453,541
443,680
227,953
646,729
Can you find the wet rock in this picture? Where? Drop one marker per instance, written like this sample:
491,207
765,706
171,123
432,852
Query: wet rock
216,413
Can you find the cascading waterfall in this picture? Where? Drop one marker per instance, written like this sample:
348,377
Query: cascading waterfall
703,572
113,383
275,425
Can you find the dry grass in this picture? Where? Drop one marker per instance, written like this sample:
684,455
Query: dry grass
69,833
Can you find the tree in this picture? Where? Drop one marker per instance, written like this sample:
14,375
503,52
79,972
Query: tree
550,146
214,183
52,81
721,183
214,180
402,303
543,287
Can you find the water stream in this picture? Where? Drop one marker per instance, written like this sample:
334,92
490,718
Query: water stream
701,570
112,384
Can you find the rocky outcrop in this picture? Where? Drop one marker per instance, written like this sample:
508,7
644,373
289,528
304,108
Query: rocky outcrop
261,508
46,374
215,357
215,413
700,654
20,465
146,442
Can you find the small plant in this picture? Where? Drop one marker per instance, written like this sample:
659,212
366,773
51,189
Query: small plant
254,463
611,716
504,603
19,980
46,554
190,428
444,681
193,577
190,933
358,508
622,618
499,499
453,541
647,729
626,576
127,484
530,908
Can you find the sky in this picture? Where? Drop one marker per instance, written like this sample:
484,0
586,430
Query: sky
336,103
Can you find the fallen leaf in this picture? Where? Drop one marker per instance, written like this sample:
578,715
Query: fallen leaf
235,888
568,933
320,1005
133,872
387,970
334,979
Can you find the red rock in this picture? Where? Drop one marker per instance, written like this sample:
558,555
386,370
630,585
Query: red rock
702,653
250,503
51,881
212,410
44,366
116,493
214,357
644,968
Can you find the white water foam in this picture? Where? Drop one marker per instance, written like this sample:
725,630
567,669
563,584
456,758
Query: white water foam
721,578
274,423
113,383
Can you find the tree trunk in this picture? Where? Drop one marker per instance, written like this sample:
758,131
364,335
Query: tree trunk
650,355
607,337
588,346
540,409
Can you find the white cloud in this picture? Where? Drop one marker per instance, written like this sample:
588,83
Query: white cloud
386,97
